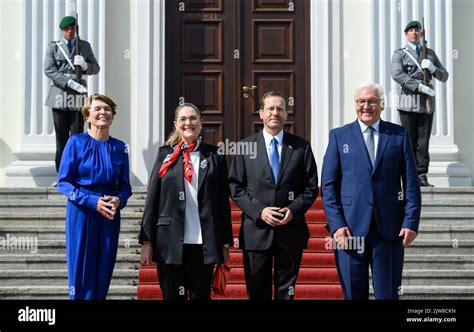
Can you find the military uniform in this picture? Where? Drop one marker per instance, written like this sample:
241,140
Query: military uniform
66,102
411,104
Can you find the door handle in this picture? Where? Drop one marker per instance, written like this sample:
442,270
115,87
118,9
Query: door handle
247,89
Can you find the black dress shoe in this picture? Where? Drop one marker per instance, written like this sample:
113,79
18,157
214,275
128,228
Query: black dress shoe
424,181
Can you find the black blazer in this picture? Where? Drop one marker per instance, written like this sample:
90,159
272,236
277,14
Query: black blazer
163,217
253,189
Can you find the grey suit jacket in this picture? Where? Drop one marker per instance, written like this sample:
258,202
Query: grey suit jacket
57,68
407,74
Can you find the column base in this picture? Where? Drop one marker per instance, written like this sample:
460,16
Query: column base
445,168
34,168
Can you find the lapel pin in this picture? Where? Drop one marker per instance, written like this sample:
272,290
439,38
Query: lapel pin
204,164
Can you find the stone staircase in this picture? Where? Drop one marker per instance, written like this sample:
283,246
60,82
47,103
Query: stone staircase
439,265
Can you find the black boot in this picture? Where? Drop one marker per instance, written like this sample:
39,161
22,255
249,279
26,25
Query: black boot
424,181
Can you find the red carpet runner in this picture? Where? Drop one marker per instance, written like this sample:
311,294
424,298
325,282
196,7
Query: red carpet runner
317,278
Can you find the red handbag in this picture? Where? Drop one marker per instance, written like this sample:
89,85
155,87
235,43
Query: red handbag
219,280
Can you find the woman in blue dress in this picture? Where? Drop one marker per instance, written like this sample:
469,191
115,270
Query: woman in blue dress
94,175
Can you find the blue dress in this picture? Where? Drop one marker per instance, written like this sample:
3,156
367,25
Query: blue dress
90,169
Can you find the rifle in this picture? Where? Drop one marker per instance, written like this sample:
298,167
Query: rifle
78,52
426,72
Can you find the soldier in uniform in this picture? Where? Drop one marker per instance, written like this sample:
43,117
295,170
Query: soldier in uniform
66,96
407,70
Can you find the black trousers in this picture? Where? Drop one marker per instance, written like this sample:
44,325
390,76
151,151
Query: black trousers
188,281
258,272
419,126
66,123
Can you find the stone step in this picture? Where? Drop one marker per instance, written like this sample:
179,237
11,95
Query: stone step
439,262
129,292
55,246
58,277
58,262
56,222
116,292
437,292
447,218
49,232
441,247
445,232
132,261
443,205
54,206
36,245
130,277
447,193
51,193
45,192
51,229
438,277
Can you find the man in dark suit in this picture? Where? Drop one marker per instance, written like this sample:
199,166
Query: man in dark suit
66,96
274,191
371,197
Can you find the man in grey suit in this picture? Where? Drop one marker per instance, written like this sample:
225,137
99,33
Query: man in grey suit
407,71
66,96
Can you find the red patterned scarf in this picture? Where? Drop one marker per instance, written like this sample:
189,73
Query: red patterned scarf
173,156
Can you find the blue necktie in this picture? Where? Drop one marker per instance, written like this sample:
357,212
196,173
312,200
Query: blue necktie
69,46
275,160
370,143
418,50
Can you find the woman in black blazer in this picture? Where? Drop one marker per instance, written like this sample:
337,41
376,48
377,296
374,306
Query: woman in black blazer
186,226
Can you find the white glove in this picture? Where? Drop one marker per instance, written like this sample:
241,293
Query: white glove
79,61
427,64
76,86
426,90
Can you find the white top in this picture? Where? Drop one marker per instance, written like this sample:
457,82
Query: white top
365,132
192,223
268,144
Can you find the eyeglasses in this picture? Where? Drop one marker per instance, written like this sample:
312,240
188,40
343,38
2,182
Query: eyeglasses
192,119
279,110
371,102
105,108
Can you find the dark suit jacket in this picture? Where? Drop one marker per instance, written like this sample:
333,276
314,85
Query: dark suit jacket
253,189
163,218
351,188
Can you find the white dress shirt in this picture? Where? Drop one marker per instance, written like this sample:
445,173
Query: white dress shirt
365,133
268,144
192,222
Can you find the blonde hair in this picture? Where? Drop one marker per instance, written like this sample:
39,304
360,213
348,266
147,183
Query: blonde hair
87,105
175,137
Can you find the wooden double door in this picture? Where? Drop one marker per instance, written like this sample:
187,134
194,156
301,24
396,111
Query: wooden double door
223,55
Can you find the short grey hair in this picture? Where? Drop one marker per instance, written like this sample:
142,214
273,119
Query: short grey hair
370,86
